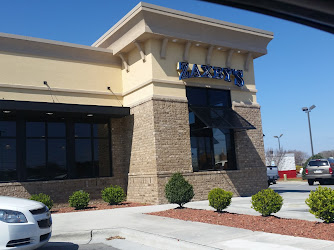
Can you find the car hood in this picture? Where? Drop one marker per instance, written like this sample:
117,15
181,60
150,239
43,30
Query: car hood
7,202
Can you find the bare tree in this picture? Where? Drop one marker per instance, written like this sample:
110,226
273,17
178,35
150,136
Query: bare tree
327,153
275,156
300,156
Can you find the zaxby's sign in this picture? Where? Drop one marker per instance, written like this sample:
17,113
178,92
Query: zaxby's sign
187,70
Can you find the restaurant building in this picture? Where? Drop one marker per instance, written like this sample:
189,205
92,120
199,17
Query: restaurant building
162,91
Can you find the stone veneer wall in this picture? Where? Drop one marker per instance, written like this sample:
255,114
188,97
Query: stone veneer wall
160,144
60,190
142,180
251,174
249,147
239,182
161,147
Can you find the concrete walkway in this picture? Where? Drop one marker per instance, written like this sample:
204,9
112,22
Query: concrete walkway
142,231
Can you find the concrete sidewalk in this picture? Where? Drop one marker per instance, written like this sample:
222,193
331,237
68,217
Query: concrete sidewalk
142,231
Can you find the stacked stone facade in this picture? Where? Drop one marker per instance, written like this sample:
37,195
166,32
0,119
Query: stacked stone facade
60,190
168,140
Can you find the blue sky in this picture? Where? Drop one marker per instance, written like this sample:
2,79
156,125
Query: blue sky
297,71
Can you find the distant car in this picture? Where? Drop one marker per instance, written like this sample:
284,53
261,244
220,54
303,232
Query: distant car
24,224
272,174
320,170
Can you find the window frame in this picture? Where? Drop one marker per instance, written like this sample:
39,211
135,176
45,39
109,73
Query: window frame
230,149
69,137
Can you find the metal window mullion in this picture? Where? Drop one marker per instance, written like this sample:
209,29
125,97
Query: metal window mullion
21,149
212,150
46,145
92,147
110,149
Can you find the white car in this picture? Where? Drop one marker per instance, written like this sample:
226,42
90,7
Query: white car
24,224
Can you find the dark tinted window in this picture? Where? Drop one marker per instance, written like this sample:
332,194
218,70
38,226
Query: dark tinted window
56,129
7,128
8,159
318,163
82,130
35,129
196,96
92,151
220,98
211,148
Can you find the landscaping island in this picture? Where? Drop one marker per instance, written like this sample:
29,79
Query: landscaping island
269,224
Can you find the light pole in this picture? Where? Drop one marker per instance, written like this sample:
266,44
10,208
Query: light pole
308,110
279,144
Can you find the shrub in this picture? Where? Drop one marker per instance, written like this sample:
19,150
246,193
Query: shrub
267,201
219,198
44,198
113,194
178,190
321,203
79,199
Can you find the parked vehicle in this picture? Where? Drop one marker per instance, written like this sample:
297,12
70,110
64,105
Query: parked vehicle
272,174
320,170
24,224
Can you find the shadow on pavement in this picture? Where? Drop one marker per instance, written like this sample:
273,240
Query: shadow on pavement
60,245
291,191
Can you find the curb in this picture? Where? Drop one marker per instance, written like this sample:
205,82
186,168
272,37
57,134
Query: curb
129,235
79,237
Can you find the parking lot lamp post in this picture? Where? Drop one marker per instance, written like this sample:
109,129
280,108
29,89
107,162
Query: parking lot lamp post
308,110
279,144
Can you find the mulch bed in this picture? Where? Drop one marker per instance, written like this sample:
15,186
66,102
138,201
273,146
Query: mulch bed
93,205
270,224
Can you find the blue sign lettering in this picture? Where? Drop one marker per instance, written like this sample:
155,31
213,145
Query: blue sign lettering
210,72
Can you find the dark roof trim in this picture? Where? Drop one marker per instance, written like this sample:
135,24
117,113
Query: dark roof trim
61,108
317,14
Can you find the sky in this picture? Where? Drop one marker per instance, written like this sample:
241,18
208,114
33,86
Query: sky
297,71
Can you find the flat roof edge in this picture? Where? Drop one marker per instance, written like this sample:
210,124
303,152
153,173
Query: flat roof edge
53,42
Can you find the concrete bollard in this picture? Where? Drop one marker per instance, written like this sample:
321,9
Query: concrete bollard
285,177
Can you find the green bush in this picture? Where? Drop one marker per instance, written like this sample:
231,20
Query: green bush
219,198
113,195
44,198
267,201
79,199
321,203
178,190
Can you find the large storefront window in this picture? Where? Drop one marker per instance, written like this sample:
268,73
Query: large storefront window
45,150
212,143
54,149
92,156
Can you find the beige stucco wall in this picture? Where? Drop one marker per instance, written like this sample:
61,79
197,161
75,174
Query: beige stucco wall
22,77
159,77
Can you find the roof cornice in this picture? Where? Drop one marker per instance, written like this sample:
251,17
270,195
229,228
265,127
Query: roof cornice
145,19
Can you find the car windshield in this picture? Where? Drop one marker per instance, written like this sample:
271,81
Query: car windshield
318,163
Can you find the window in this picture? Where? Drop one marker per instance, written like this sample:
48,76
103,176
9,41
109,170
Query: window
46,150
212,147
54,149
8,170
92,151
318,163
